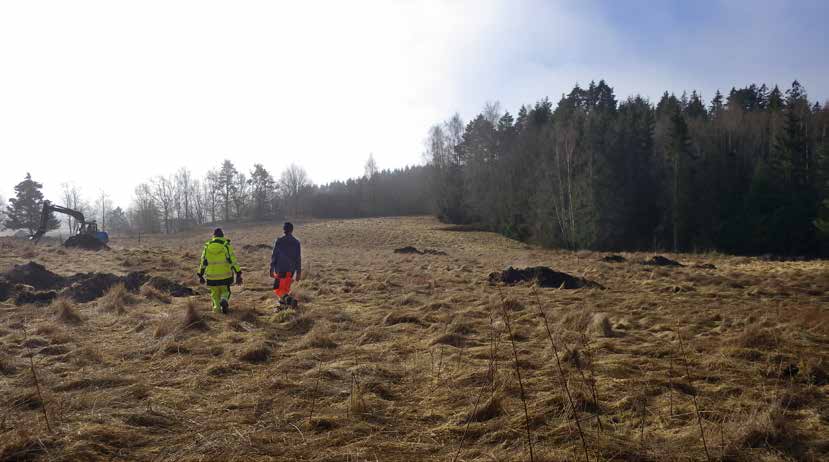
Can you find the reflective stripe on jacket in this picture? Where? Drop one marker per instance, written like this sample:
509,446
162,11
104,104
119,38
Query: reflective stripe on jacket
218,261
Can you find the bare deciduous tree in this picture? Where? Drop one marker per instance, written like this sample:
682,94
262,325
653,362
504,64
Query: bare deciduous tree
184,187
71,194
144,211
293,182
103,205
370,167
163,193
492,112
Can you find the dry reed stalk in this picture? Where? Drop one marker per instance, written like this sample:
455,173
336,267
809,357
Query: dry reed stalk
350,399
468,421
440,357
670,387
591,385
493,359
693,396
460,357
508,325
316,388
593,391
643,393
37,382
563,378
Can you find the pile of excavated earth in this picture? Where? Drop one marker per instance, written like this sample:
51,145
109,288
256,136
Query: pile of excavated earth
414,251
543,276
33,283
85,242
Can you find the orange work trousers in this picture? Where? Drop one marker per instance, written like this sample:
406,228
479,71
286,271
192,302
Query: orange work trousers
282,283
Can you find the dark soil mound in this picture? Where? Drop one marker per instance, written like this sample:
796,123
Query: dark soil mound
251,247
407,250
170,287
412,250
613,259
6,289
91,286
33,283
38,298
659,260
133,281
86,242
35,275
546,277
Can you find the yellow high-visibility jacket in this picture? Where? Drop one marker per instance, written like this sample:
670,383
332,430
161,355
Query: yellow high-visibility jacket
218,262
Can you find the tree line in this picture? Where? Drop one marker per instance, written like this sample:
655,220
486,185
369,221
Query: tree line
745,173
181,201
225,194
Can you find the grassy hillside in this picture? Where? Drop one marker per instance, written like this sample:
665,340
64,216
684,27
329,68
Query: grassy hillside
409,357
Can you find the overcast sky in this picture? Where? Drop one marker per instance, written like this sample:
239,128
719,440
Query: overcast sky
110,93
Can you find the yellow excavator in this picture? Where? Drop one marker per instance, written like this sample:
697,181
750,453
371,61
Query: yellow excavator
86,228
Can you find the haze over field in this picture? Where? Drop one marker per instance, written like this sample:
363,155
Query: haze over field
106,94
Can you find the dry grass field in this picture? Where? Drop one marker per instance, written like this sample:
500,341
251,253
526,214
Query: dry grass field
413,357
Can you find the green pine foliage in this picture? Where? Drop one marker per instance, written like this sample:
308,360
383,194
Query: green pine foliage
25,209
748,174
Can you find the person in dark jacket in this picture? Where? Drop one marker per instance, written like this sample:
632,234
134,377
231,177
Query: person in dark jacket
286,265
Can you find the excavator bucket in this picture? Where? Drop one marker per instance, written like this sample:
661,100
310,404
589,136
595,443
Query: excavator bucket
36,236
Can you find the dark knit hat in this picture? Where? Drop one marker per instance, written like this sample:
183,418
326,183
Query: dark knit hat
218,232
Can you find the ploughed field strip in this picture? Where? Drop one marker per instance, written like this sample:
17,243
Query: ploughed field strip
408,355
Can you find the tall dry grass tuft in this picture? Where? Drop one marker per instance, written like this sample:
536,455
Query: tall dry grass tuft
116,299
7,367
472,415
34,377
256,354
64,312
563,378
320,337
314,395
151,293
762,426
693,396
493,406
192,319
508,324
356,401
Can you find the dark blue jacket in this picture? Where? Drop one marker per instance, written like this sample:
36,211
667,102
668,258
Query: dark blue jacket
287,255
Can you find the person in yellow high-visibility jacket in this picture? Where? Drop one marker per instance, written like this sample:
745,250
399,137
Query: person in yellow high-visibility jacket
216,269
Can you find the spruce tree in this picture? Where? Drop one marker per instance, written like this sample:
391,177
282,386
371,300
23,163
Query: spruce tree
775,100
695,109
25,209
678,150
716,105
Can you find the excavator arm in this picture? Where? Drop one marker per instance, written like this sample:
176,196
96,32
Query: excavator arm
48,208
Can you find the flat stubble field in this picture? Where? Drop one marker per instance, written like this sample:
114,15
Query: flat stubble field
411,357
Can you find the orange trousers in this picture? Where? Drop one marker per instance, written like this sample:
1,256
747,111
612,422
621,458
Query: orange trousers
282,284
